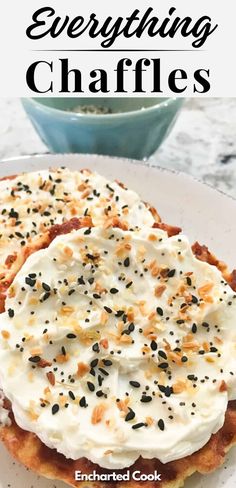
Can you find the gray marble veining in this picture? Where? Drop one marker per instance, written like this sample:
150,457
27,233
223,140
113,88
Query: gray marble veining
202,143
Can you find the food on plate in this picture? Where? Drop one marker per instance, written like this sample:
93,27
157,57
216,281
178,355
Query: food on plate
31,203
117,351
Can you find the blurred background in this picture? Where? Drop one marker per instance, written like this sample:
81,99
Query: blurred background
201,143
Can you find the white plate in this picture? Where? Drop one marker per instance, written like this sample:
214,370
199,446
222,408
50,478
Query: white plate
204,214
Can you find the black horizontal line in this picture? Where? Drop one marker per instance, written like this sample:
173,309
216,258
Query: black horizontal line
116,50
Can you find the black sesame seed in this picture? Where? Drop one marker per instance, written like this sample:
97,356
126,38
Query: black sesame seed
146,399
194,328
46,287
55,408
135,384
18,234
159,311
162,354
119,313
131,327
171,273
95,347
34,359
126,262
107,362
11,313
108,310
71,395
91,386
113,291
184,359
81,281
13,214
94,363
191,377
125,331
139,425
71,336
90,256
161,424
130,415
167,390
129,284
163,365
29,281
82,402
96,296
99,393
91,280
109,188
189,281
103,371
46,296
153,345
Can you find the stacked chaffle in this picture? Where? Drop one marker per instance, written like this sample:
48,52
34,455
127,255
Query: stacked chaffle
117,341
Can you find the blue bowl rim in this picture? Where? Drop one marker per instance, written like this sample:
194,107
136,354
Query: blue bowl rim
101,117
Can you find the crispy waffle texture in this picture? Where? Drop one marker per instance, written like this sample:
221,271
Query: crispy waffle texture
27,448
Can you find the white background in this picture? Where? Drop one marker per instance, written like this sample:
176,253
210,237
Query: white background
17,52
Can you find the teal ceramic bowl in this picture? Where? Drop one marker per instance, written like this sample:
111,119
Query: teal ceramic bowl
135,128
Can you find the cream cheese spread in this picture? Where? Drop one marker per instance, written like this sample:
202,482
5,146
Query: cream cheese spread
118,344
33,202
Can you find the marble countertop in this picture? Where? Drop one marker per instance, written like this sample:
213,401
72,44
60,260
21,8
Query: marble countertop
202,143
